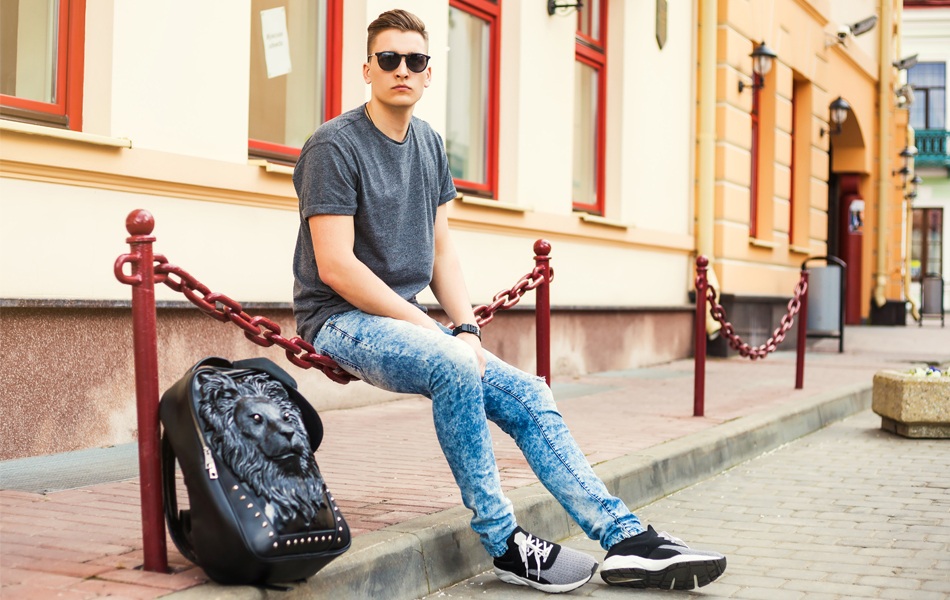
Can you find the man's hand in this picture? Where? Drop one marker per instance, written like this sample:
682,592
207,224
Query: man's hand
472,340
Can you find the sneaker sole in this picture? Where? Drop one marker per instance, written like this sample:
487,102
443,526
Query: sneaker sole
679,574
550,588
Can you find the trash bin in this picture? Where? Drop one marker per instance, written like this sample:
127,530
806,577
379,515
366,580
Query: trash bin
826,299
931,298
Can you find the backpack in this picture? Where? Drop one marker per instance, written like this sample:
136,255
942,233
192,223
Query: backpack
259,511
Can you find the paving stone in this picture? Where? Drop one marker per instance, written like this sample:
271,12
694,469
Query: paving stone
797,514
826,555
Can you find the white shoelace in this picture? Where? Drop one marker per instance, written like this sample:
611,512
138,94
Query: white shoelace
531,546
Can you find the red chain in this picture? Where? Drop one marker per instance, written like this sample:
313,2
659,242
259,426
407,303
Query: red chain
260,330
506,299
778,336
265,332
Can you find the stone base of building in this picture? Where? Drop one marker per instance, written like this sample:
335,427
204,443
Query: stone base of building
69,378
912,406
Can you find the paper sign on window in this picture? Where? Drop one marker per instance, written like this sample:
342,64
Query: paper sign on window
276,41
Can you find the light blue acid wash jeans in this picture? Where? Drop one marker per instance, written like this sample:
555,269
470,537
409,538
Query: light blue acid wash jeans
401,357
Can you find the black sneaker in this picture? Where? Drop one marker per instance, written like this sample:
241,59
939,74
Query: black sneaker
543,565
658,560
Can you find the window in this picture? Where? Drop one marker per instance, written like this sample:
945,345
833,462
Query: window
794,205
295,73
41,60
472,109
929,110
800,173
764,196
590,104
927,243
755,158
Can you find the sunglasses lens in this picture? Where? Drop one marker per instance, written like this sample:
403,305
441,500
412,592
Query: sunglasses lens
417,62
388,60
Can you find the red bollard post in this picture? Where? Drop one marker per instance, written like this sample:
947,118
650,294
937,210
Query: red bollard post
699,367
802,334
140,224
542,310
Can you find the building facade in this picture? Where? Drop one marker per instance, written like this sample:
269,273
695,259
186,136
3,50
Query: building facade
618,132
791,183
926,38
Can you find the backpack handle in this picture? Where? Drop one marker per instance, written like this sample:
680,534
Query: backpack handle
179,522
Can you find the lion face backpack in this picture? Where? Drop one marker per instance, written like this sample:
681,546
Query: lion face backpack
259,511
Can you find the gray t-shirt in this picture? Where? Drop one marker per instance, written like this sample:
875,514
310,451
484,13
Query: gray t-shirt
392,190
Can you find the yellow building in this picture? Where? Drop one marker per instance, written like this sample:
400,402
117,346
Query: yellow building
789,182
618,132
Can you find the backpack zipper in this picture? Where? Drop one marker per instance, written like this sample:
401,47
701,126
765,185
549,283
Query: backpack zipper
210,467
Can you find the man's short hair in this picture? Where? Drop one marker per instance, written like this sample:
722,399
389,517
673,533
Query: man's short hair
394,19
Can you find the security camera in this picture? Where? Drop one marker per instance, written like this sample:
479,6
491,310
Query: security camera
843,32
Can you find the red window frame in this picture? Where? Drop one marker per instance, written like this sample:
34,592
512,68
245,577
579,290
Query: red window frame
70,57
490,11
333,93
754,176
593,52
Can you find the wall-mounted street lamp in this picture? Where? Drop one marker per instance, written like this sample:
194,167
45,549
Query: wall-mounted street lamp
762,58
907,153
838,112
914,184
563,8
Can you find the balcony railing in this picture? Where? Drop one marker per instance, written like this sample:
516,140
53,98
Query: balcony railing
933,148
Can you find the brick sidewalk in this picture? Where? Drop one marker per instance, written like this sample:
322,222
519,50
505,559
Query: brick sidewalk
872,523
384,465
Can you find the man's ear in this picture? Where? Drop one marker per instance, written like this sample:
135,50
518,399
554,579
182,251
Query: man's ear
366,77
428,79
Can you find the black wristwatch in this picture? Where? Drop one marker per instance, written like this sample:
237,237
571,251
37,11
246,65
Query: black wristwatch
468,328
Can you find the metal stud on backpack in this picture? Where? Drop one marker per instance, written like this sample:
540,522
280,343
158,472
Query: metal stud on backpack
259,510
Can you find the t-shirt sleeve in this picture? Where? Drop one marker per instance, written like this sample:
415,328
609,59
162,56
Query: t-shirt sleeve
326,181
448,191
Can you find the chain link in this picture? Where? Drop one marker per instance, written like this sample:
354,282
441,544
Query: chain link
735,341
265,332
260,330
506,299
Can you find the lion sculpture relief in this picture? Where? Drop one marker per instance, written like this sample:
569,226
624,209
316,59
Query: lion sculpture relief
258,432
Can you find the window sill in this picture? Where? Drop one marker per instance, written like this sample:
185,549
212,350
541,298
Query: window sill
272,167
603,221
799,249
63,134
481,202
759,243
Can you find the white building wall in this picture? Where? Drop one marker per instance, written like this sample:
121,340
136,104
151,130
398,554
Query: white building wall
926,32
60,241
173,78
181,72
656,114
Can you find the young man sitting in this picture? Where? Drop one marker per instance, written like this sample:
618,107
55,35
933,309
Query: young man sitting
373,185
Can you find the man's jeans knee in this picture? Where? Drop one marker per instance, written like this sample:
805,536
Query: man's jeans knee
402,357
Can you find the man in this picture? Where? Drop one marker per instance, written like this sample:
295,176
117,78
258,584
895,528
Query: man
373,185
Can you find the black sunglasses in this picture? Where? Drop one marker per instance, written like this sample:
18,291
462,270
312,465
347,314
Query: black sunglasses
389,61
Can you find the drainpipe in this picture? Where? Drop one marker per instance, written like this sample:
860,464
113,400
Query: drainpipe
705,209
909,202
884,137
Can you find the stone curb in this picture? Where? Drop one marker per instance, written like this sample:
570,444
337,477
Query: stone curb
426,554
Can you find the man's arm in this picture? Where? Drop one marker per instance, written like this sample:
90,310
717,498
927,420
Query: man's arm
448,283
340,269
